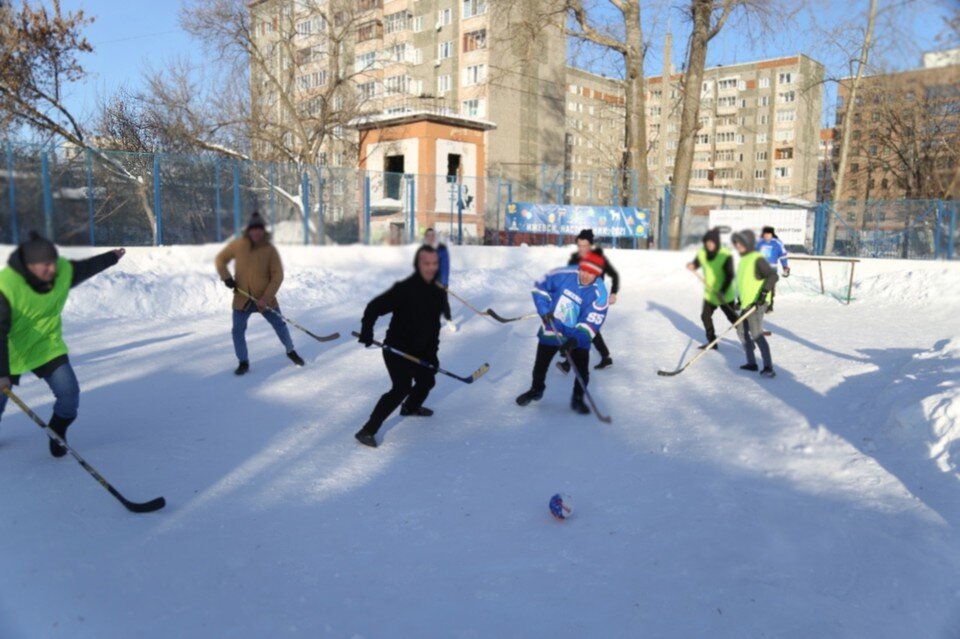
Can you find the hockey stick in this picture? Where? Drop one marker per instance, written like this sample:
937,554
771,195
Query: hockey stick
477,374
489,312
132,506
505,320
319,338
709,346
606,419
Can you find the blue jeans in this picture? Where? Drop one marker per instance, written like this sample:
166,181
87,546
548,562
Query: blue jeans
240,319
63,382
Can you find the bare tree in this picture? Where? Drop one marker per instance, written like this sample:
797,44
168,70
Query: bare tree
285,83
853,88
706,25
630,46
39,59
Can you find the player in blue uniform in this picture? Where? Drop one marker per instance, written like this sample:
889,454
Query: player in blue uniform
572,304
773,250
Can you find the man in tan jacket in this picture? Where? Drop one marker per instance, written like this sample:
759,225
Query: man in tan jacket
259,273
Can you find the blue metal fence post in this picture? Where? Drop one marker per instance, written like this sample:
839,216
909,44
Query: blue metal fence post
411,190
89,170
157,200
305,202
509,202
236,198
953,229
938,233
496,241
366,209
47,194
273,197
459,214
665,219
11,186
320,208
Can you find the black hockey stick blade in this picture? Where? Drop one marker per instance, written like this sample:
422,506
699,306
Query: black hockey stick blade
322,338
143,507
506,320
671,373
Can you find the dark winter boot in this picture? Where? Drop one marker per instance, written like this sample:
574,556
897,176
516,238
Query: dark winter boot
59,426
768,371
530,396
749,367
366,438
422,411
606,362
242,368
296,359
576,403
564,366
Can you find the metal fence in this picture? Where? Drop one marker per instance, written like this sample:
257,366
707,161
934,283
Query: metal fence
100,197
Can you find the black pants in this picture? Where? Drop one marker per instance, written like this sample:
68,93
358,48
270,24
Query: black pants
601,345
410,381
706,315
545,353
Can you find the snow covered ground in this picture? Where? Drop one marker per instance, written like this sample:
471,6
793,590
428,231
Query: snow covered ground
823,503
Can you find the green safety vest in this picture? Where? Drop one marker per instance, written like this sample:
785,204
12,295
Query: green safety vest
748,286
36,330
713,275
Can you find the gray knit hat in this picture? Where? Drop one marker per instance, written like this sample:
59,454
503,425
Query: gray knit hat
256,221
38,249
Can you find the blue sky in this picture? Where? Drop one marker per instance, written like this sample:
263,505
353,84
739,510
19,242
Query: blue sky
130,34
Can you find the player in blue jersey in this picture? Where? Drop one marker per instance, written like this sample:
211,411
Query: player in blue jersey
772,250
572,304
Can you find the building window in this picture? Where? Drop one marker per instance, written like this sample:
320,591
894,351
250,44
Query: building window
764,83
474,8
475,40
785,136
396,22
444,50
763,119
369,31
474,75
785,78
367,90
784,154
787,96
786,116
418,24
365,62
444,17
703,138
761,138
781,172
727,84
763,100
473,108
397,84
761,156
444,84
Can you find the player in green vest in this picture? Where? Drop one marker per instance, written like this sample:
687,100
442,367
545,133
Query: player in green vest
755,279
33,291
718,290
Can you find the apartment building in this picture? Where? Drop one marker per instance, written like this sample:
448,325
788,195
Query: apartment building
904,134
759,126
825,181
393,57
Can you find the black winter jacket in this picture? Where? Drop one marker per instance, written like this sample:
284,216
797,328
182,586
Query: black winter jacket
415,326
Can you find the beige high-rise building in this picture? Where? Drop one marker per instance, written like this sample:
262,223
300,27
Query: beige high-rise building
444,57
759,127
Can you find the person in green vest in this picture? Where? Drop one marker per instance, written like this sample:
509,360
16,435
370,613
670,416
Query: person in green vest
33,292
755,279
718,290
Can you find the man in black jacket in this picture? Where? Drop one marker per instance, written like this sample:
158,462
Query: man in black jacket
718,289
33,291
416,304
584,246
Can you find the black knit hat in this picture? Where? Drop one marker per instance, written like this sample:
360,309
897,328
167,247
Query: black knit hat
586,234
38,249
768,229
714,235
256,221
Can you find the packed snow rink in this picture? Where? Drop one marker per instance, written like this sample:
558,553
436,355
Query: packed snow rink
822,503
